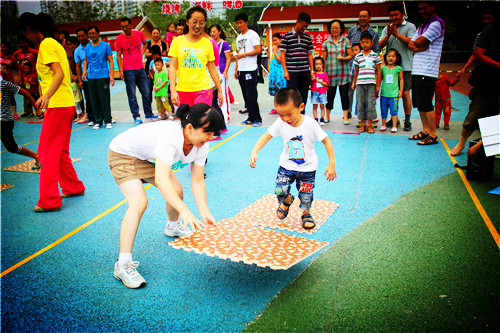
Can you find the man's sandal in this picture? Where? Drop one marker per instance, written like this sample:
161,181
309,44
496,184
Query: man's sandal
420,136
429,140
307,218
39,209
284,212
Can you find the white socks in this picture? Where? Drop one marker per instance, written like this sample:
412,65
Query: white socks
172,224
124,258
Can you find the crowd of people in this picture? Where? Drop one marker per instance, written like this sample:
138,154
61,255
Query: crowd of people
187,73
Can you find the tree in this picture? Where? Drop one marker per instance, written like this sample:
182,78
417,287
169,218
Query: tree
81,11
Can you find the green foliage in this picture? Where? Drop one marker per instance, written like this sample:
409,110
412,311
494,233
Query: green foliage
81,11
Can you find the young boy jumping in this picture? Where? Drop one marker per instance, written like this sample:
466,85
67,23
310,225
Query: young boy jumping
298,161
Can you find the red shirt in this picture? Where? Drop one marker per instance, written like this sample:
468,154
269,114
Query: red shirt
442,87
30,54
30,81
11,63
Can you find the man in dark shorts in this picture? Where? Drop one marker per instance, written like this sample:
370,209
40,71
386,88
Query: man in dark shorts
427,44
485,92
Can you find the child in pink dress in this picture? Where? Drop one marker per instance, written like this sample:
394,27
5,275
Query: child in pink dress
318,89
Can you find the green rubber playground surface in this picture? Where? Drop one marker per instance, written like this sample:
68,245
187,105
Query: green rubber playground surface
414,267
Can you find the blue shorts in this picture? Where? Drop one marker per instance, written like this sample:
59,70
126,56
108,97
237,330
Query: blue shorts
390,104
318,98
304,181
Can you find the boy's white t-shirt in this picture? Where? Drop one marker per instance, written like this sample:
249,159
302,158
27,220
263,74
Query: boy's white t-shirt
161,139
298,143
246,43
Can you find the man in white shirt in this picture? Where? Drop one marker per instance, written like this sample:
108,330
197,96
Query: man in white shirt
248,47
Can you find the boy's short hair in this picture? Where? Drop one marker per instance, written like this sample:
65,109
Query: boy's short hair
241,16
158,60
287,94
367,35
356,44
304,17
126,19
155,49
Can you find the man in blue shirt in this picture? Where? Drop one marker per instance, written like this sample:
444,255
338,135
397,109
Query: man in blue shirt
79,56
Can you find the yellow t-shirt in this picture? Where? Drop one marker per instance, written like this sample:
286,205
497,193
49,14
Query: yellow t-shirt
51,51
192,59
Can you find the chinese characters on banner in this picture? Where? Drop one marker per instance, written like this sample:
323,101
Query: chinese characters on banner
232,4
318,38
207,5
170,8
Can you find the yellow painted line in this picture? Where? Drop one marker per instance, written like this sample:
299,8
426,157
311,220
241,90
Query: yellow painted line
474,198
83,226
76,129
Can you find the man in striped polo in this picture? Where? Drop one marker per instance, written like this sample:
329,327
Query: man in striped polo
427,44
297,54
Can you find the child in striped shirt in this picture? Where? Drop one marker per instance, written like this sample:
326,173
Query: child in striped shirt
366,81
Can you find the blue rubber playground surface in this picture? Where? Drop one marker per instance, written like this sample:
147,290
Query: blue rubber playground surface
57,268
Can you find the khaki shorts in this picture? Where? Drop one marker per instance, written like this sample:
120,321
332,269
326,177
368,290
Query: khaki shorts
125,168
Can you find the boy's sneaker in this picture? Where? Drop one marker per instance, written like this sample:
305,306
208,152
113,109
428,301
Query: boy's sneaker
322,122
257,124
394,130
407,126
138,120
96,127
90,123
152,117
128,274
179,230
16,117
246,122
383,129
108,125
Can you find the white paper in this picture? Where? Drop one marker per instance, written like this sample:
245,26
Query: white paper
491,139
489,125
492,150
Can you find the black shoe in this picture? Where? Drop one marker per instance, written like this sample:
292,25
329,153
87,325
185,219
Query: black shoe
243,111
349,115
407,126
389,123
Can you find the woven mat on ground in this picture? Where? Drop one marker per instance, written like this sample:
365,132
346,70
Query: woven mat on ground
5,186
239,241
263,213
26,166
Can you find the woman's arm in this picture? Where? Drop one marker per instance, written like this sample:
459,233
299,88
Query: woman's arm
200,193
43,101
163,172
172,78
228,63
111,70
348,57
214,73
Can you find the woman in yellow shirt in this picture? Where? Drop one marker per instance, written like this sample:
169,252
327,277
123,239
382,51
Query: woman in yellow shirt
191,55
57,100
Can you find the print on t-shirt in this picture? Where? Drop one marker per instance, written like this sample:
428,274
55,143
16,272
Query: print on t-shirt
296,150
242,45
191,59
179,165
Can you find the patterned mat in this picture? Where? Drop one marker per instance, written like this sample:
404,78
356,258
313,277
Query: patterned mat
263,213
26,166
239,241
5,186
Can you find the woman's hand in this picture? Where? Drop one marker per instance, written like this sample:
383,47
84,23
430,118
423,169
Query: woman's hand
192,221
112,81
220,97
175,98
207,219
42,102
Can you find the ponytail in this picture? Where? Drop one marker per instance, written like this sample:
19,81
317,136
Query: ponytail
200,115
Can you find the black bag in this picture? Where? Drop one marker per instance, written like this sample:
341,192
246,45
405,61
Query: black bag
479,167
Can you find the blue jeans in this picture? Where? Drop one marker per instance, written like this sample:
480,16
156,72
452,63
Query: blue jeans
137,78
304,181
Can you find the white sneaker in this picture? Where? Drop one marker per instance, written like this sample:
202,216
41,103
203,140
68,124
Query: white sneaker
108,125
96,127
90,123
128,274
179,230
